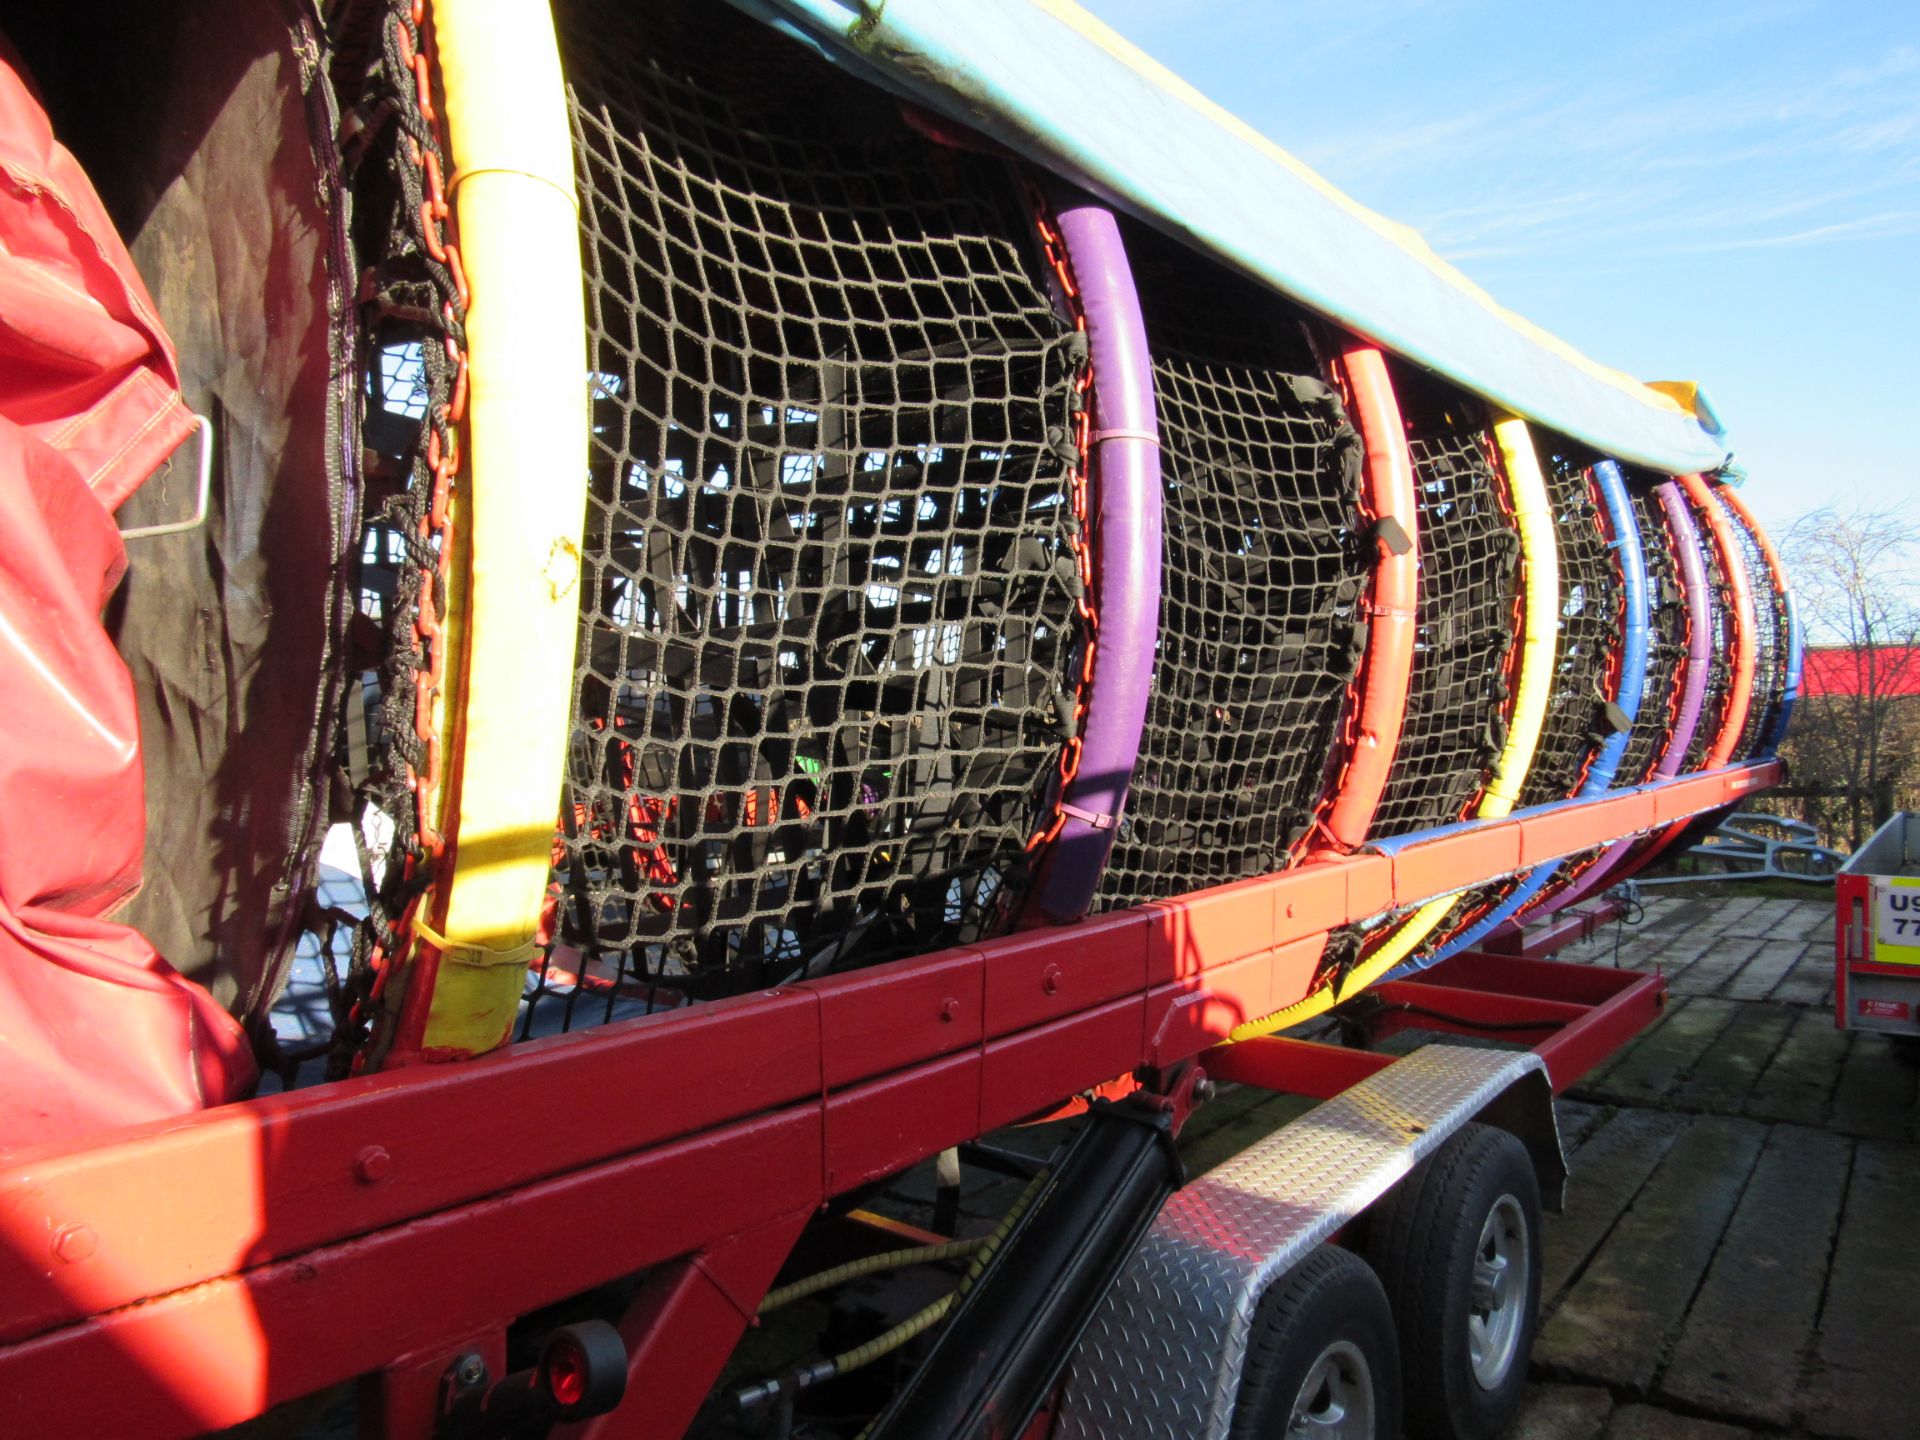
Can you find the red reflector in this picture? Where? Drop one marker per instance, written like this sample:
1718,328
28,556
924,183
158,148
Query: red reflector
566,1373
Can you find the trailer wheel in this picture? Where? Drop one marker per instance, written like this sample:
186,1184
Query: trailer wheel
1457,1248
1322,1360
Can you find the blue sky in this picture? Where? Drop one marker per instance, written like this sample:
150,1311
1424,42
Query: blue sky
1727,193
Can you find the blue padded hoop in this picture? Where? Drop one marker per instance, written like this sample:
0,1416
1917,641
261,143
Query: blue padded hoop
1606,760
1790,691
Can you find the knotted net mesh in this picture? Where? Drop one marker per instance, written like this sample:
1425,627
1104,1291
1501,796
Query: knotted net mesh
1667,631
1592,627
1264,565
1666,641
829,627
1770,637
1467,613
1713,699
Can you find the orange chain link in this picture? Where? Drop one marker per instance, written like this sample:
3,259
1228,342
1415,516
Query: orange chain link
431,222
443,455
1319,836
1056,255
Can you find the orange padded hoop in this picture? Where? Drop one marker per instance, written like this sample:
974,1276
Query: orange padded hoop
1733,717
1378,707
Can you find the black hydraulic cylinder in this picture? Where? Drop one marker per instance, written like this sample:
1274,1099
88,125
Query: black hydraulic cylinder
1010,1336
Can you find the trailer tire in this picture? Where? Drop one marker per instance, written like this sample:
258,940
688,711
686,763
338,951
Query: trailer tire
1322,1341
1446,1243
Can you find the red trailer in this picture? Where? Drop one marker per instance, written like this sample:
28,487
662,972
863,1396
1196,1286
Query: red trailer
749,597
1876,932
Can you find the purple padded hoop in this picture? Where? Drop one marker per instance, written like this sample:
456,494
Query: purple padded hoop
1127,500
1693,582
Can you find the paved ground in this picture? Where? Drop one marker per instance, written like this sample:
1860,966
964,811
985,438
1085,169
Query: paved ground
1733,1259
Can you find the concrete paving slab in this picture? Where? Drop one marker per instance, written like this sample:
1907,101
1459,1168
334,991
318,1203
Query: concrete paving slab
1607,1172
1643,1422
1649,1069
1812,918
1724,957
1877,1088
1732,913
1665,918
1768,967
1772,1263
1577,1121
1863,1384
1798,1084
1562,1412
1616,1322
1764,920
1735,1275
1669,947
1677,958
1726,1072
1810,980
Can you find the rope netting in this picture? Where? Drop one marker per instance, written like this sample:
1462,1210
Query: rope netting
1770,636
402,432
1591,633
1592,621
1713,700
830,632
1666,657
1666,641
1468,613
1263,571
834,611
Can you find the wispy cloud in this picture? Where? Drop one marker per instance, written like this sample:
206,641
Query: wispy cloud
1738,125
1734,164
1890,225
1723,189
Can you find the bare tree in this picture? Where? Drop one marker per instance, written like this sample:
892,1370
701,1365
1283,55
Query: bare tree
1856,578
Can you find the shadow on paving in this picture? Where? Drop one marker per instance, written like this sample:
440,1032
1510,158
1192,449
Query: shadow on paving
1734,1259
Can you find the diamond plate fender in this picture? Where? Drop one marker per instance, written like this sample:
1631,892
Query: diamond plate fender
1162,1358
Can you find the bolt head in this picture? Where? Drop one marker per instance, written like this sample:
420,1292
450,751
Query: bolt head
471,1370
75,1243
372,1164
1050,981
949,1010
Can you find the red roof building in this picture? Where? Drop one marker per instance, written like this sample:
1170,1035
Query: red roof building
1842,670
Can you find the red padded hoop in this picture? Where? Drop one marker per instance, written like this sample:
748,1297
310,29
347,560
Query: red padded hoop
1733,717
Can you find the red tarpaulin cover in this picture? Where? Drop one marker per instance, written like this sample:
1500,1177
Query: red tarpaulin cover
96,1029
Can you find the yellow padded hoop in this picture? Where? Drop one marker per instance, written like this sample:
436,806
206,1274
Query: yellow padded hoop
523,495
1540,626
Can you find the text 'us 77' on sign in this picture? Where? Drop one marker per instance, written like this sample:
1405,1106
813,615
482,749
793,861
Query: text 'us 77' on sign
1896,930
